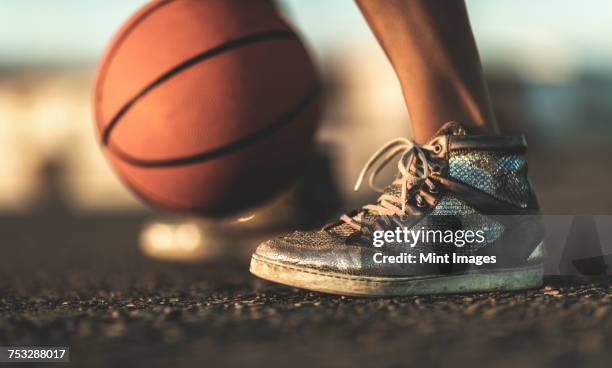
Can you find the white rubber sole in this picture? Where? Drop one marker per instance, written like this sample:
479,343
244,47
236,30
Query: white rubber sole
333,283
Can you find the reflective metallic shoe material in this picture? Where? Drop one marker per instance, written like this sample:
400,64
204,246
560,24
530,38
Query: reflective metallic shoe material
457,183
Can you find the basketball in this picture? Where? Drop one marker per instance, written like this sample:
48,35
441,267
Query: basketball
206,107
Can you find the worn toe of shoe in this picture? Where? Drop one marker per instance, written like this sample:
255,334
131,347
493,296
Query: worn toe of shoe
314,250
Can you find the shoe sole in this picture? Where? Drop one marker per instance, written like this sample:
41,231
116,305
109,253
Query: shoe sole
328,282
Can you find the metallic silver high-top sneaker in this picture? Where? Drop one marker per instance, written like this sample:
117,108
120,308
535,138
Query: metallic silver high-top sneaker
460,216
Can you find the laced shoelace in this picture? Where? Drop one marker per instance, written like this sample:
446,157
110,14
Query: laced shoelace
388,204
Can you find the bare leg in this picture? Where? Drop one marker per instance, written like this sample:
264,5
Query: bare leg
432,48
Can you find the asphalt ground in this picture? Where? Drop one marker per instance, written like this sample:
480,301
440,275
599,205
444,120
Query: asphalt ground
82,282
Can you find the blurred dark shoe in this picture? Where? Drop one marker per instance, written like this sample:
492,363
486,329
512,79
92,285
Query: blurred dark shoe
313,197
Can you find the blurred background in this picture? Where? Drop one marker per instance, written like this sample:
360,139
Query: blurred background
549,69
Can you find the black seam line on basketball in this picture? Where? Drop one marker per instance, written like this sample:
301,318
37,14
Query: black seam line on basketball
231,147
101,78
128,31
227,46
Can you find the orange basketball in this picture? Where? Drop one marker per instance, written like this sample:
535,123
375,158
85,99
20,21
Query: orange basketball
206,107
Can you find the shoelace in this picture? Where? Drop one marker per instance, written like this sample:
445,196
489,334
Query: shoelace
387,204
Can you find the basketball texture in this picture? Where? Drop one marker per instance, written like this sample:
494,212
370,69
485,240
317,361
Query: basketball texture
206,106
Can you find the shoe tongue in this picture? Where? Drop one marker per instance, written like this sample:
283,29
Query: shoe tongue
450,128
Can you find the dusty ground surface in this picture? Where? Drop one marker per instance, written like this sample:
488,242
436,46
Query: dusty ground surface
81,282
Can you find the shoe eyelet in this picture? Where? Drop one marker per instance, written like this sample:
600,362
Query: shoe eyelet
437,148
436,169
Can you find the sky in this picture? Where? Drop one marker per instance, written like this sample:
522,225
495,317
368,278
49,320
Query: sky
565,33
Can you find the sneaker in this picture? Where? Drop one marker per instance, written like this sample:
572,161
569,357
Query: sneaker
460,216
